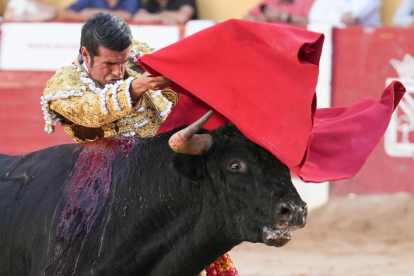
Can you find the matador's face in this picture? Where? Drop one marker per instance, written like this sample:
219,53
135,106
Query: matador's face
108,66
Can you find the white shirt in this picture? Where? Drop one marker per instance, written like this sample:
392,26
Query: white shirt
84,66
404,16
330,12
21,6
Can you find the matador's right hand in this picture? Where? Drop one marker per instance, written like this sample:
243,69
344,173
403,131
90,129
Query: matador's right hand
146,82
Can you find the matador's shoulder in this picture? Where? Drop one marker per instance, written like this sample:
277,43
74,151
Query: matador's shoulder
139,49
65,80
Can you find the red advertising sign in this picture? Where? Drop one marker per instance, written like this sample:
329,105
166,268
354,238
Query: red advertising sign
21,118
364,61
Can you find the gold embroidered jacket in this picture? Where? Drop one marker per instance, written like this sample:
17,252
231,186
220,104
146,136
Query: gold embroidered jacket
88,111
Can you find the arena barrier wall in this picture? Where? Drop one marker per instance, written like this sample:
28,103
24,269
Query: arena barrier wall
356,62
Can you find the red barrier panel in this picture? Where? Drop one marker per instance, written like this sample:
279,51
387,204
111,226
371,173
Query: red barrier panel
361,65
21,118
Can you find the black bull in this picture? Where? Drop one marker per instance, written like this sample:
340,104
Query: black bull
135,207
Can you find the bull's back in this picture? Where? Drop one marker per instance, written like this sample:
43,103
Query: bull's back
27,177
30,188
5,162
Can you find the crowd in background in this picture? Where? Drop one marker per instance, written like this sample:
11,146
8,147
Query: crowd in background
338,13
153,11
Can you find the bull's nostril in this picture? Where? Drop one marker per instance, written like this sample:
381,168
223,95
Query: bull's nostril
284,211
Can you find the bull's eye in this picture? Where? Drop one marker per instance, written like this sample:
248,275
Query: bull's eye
236,166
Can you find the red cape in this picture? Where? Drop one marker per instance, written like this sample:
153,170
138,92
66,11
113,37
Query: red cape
262,77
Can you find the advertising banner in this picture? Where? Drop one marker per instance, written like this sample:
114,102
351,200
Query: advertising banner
365,60
38,46
49,46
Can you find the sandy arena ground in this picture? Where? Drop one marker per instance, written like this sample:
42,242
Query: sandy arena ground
362,235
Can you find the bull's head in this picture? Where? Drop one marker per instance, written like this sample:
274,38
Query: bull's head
253,185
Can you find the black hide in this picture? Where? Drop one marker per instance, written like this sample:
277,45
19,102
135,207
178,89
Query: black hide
162,213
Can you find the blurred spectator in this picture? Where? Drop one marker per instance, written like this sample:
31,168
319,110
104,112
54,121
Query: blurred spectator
404,17
82,10
341,13
29,10
167,11
281,11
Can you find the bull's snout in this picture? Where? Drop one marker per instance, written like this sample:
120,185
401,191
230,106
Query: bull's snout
291,214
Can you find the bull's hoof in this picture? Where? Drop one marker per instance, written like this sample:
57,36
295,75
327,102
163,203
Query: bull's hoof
276,238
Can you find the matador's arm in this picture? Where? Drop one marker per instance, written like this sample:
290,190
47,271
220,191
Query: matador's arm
75,96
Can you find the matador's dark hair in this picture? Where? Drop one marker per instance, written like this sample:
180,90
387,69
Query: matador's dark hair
107,30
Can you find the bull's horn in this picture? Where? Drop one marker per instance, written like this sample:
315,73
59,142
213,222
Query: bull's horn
188,142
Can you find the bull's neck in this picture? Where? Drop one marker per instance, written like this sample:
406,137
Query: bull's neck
172,226
184,240
198,245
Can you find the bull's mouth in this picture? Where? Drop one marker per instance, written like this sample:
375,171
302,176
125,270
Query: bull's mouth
276,237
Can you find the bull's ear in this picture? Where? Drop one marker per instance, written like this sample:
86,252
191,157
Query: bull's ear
189,166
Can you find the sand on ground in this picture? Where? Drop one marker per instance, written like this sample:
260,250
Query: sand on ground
354,235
